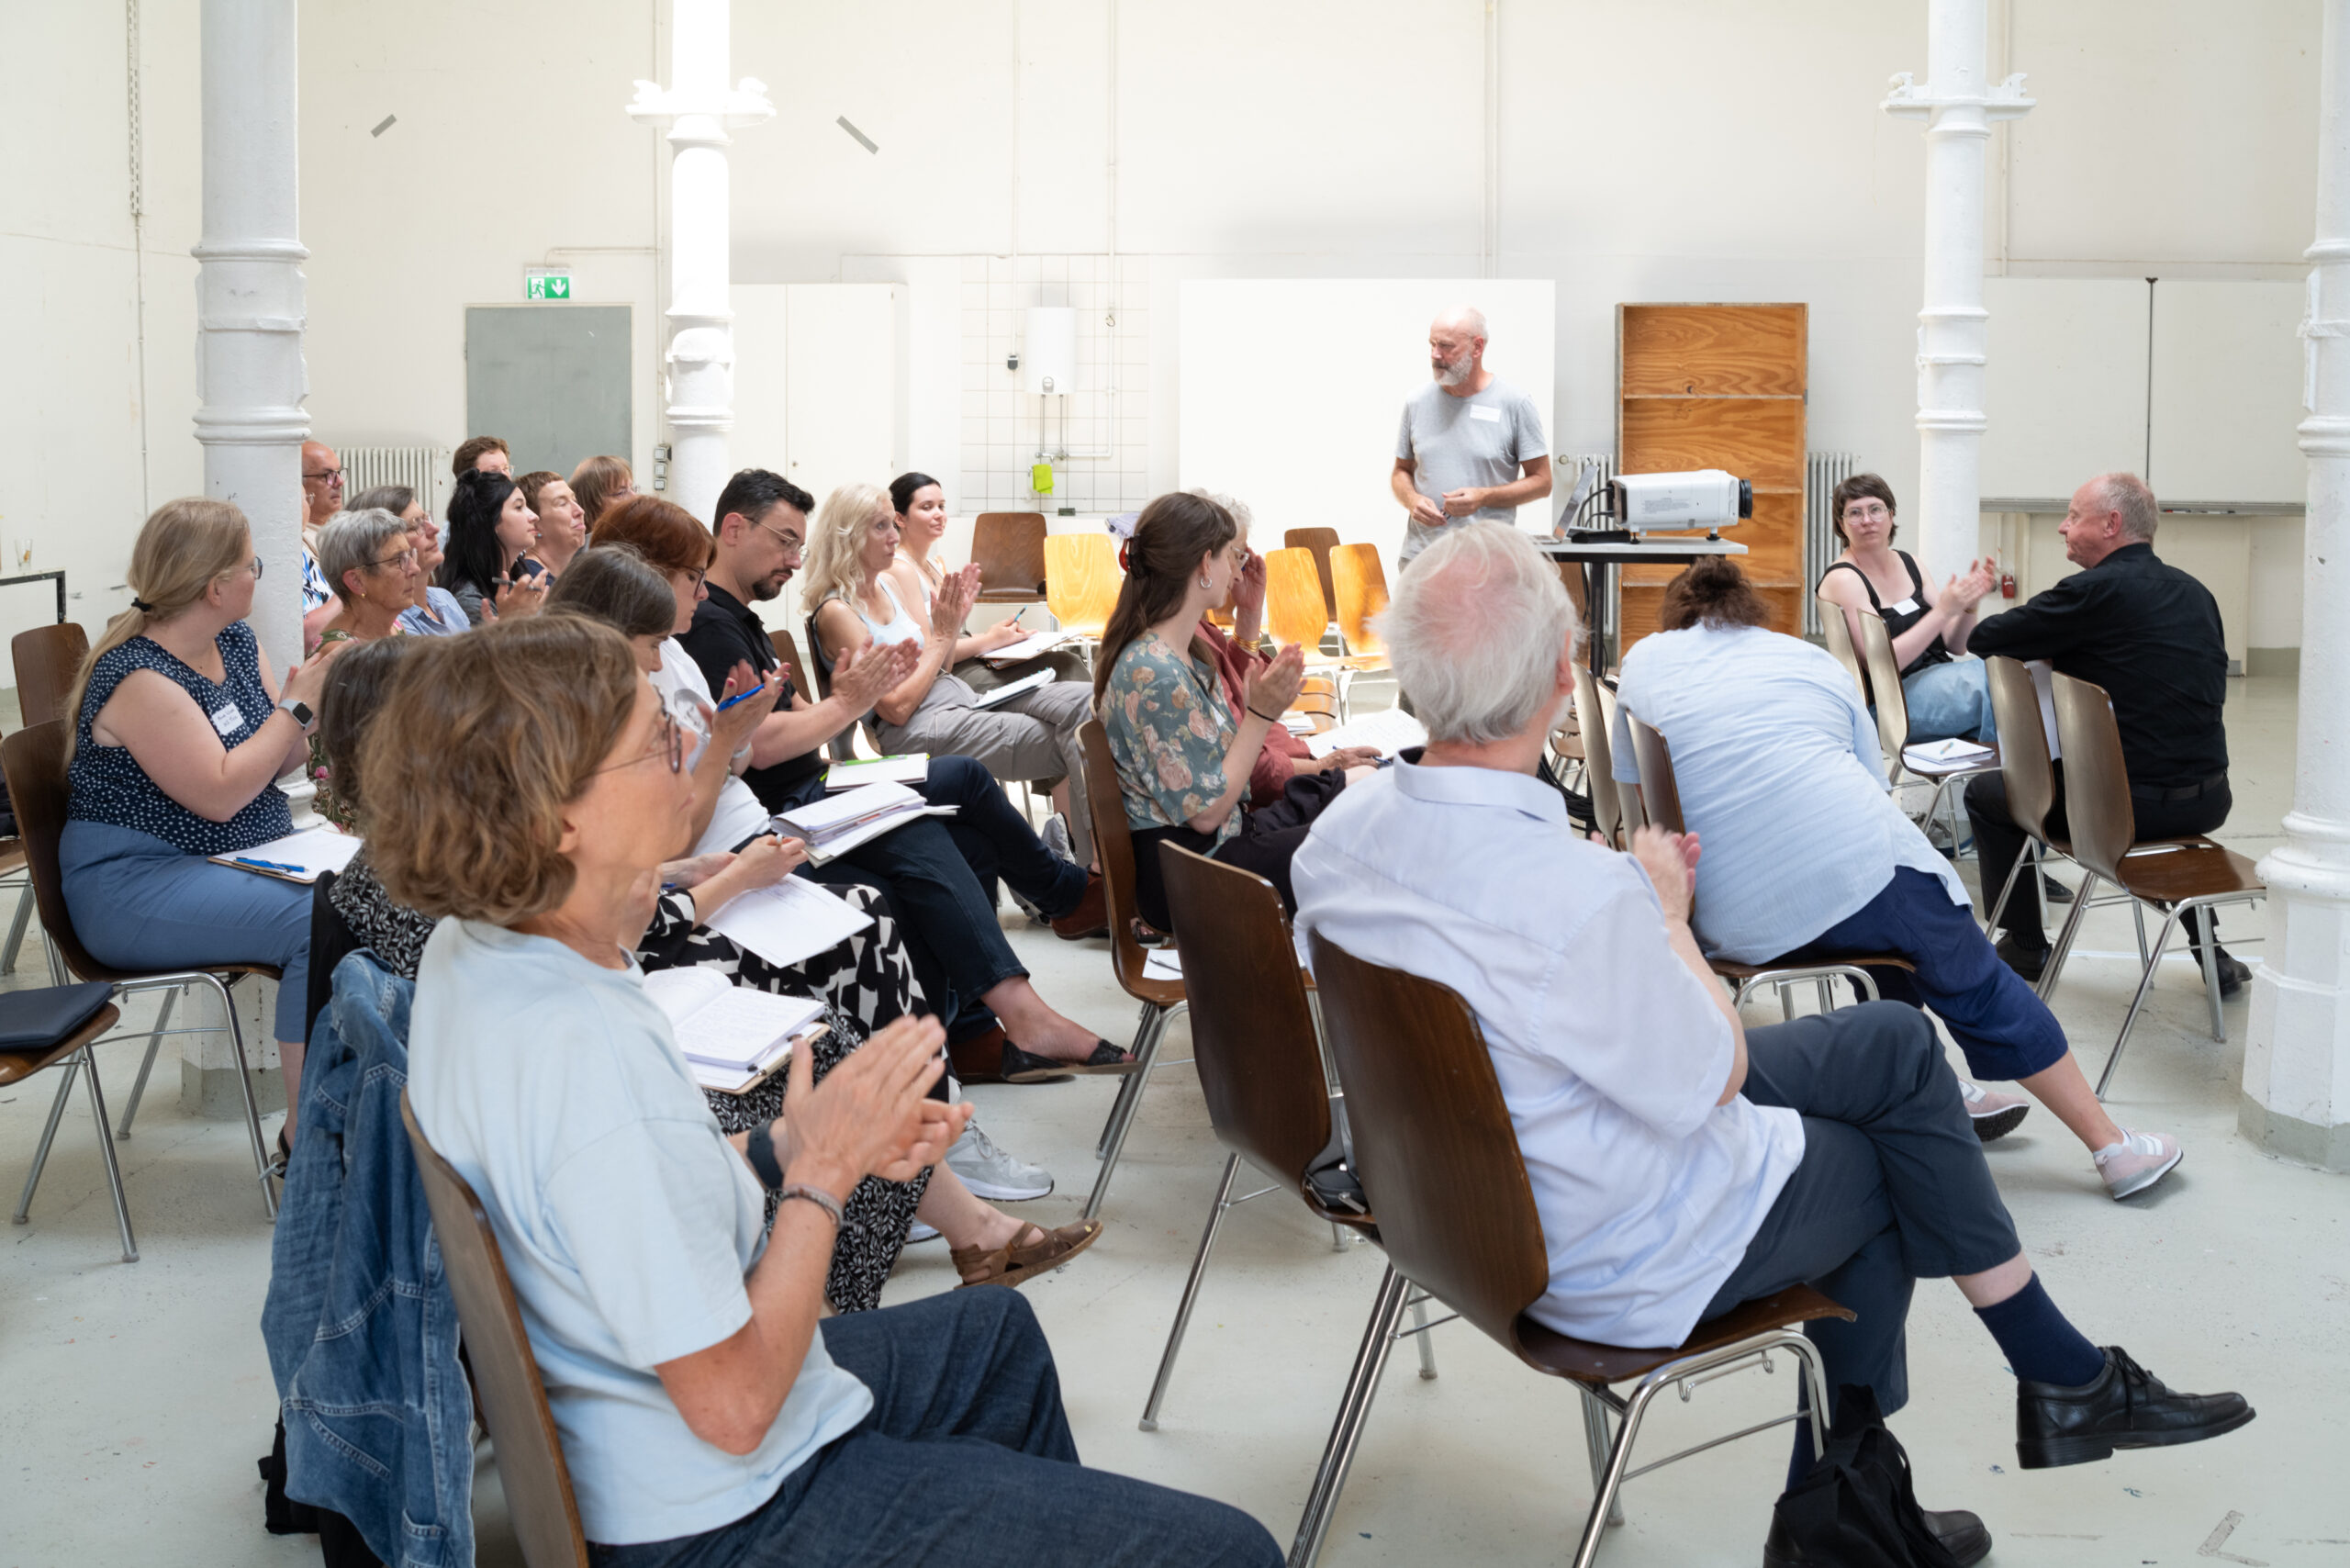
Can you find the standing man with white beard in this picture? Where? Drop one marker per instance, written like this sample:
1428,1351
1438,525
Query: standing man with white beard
1472,448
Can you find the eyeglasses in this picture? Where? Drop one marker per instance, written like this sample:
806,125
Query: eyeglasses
257,565
791,541
669,739
404,560
332,476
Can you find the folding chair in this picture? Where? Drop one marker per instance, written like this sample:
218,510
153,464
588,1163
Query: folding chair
1892,730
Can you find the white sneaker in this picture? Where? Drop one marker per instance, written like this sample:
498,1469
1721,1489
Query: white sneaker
2137,1162
919,1232
1994,1111
991,1173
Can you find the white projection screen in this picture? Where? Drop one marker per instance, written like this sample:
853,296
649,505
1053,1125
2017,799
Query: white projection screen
1292,389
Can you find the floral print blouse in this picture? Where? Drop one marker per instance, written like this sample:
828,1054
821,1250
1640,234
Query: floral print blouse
1169,730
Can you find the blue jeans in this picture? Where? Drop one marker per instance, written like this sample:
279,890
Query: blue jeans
940,876
1892,1188
966,1460
137,903
1949,701
1995,1016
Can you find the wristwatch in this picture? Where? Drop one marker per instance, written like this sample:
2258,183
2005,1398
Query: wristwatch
760,1150
300,709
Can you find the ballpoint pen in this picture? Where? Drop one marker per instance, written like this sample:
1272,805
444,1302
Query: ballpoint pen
269,864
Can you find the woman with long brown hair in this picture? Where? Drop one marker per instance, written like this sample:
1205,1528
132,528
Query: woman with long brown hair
181,732
1185,757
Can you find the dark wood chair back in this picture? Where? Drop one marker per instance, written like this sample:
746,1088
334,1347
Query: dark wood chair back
1884,691
1660,793
47,658
1321,540
1114,847
814,679
2098,811
2025,766
1252,1027
33,760
514,1402
1433,1142
1010,549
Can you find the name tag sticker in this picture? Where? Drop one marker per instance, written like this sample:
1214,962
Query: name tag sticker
1907,607
1479,411
227,719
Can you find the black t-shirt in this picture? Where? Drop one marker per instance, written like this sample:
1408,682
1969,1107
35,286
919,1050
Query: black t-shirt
726,633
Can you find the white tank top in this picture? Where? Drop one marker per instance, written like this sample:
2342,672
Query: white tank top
898,628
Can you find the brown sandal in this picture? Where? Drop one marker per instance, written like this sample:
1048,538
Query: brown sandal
1024,1259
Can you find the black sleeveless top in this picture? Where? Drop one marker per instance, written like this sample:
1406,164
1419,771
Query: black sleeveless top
1897,619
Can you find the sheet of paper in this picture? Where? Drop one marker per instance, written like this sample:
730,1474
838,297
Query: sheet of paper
729,1080
1029,647
1010,689
818,818
1949,751
743,1029
297,857
788,922
1298,723
912,768
841,843
1164,963
1390,729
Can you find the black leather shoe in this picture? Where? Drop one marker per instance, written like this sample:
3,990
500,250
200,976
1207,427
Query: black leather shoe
2126,1407
2233,972
2055,891
1961,1533
2026,961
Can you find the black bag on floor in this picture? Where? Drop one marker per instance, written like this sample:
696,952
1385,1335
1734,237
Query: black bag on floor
339,1544
1857,1509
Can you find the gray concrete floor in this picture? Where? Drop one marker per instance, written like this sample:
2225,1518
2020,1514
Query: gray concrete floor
135,1398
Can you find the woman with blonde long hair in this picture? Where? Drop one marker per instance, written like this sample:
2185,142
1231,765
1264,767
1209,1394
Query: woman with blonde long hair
851,545
180,734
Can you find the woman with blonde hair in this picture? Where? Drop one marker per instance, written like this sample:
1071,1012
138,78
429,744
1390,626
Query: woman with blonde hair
851,546
181,732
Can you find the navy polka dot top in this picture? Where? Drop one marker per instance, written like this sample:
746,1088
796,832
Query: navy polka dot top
107,784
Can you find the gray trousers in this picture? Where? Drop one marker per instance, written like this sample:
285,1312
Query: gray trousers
1030,737
1892,1189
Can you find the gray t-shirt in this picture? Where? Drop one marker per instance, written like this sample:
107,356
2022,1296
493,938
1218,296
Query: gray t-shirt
627,1221
1484,438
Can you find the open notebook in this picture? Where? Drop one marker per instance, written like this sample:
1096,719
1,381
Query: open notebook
788,922
733,1037
298,857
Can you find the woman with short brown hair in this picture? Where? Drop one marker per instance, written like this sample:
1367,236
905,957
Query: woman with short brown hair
600,483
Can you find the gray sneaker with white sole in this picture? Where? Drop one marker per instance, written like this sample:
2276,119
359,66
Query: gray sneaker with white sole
991,1173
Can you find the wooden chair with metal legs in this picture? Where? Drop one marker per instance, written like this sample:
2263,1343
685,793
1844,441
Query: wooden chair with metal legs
1361,599
72,1053
2183,877
1009,549
1595,721
33,761
530,1468
1892,730
1836,634
47,658
1321,542
1440,1162
1081,582
1270,1096
1661,799
1114,848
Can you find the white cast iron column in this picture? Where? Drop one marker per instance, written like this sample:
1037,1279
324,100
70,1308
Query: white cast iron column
249,303
2297,1049
699,111
1958,110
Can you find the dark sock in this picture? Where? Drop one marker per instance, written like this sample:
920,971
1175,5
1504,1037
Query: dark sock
2041,1345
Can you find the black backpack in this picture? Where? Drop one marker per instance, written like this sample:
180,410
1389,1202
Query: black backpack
1857,1508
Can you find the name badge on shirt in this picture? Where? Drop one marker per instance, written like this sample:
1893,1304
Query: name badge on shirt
227,719
1907,607
1480,411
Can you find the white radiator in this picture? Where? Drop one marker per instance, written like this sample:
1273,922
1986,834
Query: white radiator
424,469
1822,471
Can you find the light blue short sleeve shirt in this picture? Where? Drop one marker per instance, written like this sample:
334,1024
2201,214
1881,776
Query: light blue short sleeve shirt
627,1221
1610,1053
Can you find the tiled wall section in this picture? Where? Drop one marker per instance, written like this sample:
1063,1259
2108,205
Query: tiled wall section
1004,427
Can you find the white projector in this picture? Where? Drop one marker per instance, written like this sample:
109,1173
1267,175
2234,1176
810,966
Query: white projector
1700,498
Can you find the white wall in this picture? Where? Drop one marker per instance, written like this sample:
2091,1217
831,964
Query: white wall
1697,150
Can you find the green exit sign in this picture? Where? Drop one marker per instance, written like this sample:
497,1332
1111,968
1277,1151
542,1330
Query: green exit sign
546,285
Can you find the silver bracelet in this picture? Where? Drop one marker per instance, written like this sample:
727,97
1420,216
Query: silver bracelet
821,1199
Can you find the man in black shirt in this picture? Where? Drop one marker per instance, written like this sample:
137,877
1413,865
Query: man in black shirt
2150,635
939,874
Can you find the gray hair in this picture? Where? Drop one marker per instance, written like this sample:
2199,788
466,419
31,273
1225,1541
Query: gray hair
2128,494
1241,515
1471,319
1475,632
355,542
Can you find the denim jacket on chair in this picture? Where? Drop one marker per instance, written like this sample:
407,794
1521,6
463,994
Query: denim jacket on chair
360,1323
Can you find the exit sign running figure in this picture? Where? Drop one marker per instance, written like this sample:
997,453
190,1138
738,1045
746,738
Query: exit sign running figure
547,285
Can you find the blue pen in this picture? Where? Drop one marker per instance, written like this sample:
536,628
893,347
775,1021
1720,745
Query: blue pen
741,694
270,865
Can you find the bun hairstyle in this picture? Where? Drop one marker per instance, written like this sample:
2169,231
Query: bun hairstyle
183,549
1713,592
905,486
1170,536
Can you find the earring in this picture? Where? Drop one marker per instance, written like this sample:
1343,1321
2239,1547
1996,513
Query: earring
1204,583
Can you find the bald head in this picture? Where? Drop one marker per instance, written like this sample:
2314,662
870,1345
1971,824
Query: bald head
321,483
2109,512
1479,632
1457,346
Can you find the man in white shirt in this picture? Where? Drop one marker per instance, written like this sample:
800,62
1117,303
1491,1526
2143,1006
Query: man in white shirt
1472,448
1680,1165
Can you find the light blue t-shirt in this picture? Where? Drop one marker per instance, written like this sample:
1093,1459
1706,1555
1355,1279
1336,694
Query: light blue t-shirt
627,1221
1782,779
